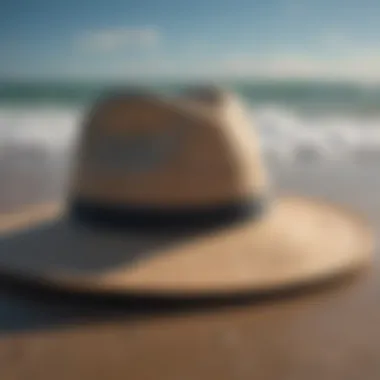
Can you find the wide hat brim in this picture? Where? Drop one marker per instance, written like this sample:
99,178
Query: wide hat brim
298,242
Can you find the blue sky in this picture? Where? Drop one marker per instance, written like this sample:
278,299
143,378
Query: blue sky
190,38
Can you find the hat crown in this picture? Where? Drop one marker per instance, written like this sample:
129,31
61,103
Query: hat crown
194,150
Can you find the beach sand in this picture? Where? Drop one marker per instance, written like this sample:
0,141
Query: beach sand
31,174
331,335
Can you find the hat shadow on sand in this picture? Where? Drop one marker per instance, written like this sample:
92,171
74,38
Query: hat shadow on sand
79,249
34,305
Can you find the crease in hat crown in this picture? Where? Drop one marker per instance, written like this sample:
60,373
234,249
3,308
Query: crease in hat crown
194,150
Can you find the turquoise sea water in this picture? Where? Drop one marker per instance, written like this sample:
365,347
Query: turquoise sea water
301,95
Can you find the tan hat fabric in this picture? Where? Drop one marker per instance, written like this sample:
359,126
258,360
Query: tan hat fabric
144,156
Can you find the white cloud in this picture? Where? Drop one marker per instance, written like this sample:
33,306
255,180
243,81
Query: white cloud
119,38
360,66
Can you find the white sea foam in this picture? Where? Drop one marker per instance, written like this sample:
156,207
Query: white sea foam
290,138
49,128
286,136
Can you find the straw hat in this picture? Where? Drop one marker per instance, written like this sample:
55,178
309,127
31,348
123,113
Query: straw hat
169,196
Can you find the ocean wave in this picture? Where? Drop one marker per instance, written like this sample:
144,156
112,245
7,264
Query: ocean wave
51,128
289,137
286,136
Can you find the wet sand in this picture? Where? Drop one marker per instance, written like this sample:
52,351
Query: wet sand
30,174
329,333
